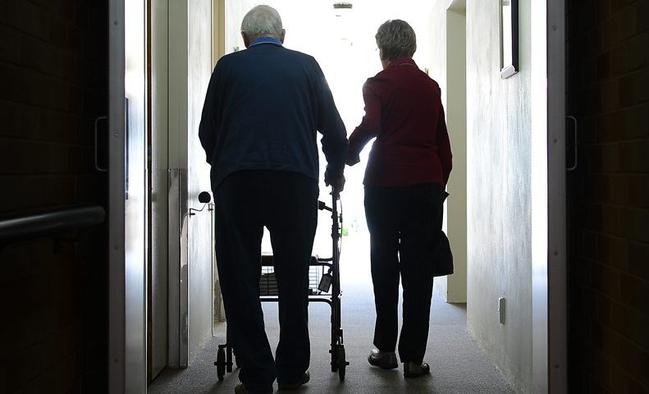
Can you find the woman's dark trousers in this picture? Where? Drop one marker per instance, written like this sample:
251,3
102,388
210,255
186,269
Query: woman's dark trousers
286,204
404,225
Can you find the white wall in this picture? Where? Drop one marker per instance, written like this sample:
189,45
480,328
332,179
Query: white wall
499,178
439,36
190,243
455,95
200,225
499,149
435,44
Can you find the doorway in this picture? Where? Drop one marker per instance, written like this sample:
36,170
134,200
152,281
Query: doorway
183,289
128,219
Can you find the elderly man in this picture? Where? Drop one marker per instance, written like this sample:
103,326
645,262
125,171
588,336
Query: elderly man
263,109
404,182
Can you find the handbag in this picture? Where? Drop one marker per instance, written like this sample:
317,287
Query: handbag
442,256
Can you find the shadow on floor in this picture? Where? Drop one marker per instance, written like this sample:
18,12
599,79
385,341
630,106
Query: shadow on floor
457,363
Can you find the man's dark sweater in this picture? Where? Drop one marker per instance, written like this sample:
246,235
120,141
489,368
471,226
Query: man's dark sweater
262,110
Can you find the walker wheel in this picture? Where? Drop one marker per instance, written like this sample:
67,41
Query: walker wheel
220,363
342,362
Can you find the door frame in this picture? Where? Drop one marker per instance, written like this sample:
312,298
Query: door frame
127,364
177,183
158,329
549,274
116,203
557,249
127,202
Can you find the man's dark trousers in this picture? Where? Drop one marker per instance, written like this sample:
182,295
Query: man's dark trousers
286,204
405,226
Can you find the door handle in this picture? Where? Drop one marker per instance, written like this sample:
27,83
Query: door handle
98,167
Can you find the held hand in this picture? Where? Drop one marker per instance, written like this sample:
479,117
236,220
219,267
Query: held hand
339,184
351,160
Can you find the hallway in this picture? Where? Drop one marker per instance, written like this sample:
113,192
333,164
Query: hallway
457,363
89,87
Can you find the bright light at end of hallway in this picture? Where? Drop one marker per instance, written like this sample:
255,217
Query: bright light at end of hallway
342,41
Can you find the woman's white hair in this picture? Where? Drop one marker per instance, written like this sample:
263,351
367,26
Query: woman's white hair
262,20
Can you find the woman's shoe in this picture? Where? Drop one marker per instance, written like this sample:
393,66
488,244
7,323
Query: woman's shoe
414,370
385,360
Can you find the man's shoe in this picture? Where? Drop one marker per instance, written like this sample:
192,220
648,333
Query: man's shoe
304,379
414,370
241,389
385,360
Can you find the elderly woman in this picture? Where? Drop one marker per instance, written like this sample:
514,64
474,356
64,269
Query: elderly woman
405,178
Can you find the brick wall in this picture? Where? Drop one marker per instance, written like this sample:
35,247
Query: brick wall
608,91
53,83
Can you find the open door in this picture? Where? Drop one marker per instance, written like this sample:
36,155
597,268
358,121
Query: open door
127,196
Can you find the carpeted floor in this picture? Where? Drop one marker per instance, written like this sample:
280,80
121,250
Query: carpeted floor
457,363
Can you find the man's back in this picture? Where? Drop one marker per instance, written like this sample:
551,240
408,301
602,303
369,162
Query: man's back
262,111
258,129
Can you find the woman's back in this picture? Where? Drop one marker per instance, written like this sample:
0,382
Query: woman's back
404,111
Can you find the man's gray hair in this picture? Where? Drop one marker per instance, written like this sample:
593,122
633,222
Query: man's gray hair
395,38
262,20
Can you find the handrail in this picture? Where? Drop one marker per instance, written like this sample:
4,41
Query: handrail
49,223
